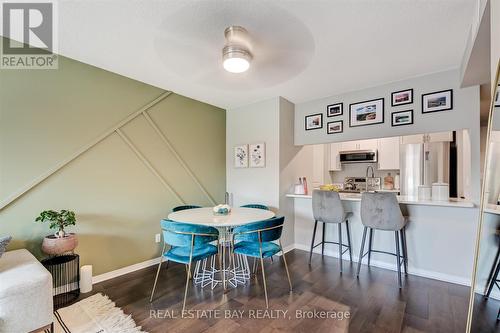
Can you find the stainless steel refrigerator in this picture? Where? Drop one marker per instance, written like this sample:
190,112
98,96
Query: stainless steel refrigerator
423,164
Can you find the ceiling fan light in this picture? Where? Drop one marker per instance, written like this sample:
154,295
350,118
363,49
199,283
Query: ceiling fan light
236,59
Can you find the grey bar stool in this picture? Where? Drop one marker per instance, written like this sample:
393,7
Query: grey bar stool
381,211
327,208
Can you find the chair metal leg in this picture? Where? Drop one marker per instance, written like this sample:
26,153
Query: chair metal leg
492,270
370,240
402,236
158,273
398,259
348,239
286,266
340,247
312,242
323,240
186,290
254,269
493,279
264,280
361,251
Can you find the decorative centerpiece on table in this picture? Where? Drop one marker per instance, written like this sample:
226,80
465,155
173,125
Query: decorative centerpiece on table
61,241
222,210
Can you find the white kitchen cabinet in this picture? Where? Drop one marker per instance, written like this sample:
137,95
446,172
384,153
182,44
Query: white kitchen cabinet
440,137
349,145
417,138
318,165
359,145
388,153
367,144
430,137
335,149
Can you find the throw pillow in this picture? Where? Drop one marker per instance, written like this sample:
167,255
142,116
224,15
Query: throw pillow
4,241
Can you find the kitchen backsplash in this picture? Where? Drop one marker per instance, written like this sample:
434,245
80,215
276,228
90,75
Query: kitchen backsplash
357,170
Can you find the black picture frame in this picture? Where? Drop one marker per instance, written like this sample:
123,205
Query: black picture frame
332,122
313,115
434,93
405,111
403,103
331,106
370,100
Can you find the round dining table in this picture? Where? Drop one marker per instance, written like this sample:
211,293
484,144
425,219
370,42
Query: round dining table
236,270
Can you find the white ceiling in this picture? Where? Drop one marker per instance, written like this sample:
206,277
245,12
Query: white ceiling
303,49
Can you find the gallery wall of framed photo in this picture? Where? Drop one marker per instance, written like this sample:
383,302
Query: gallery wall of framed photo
423,104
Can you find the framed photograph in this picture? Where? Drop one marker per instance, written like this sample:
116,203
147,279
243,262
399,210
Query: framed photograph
257,155
437,101
402,118
335,127
314,121
402,97
335,110
241,156
366,113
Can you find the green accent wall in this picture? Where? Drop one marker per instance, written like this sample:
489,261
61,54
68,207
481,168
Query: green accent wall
46,116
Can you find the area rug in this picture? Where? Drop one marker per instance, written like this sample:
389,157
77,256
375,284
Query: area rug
95,314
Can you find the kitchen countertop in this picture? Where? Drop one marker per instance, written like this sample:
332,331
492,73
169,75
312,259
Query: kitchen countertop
492,209
452,202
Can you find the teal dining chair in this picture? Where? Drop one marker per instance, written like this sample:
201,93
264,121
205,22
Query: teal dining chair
257,240
184,207
258,206
189,243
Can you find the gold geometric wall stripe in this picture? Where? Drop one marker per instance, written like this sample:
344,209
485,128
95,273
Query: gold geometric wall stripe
177,156
145,161
115,129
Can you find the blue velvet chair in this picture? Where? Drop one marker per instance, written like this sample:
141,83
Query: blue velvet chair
256,240
184,207
189,243
258,206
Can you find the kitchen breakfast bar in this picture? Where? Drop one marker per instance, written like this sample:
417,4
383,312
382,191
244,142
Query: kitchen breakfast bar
440,235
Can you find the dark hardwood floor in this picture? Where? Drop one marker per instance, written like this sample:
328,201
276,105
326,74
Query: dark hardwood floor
374,301
484,317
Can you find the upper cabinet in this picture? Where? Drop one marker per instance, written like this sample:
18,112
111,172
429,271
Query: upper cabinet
430,137
359,145
388,153
335,149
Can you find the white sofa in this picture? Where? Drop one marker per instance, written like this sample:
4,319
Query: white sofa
25,293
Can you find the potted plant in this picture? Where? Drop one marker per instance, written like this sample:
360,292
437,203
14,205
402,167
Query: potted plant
61,241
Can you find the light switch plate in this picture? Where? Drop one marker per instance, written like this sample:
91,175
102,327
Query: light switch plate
157,238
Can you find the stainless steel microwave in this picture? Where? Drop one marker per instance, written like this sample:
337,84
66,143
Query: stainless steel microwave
358,156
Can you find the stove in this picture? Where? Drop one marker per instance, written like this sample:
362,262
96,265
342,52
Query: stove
361,184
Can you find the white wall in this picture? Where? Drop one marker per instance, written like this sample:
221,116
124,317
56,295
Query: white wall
254,123
465,115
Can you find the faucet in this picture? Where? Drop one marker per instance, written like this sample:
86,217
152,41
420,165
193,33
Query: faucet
373,175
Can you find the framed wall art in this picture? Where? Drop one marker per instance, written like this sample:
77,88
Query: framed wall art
333,110
314,121
366,113
437,101
257,155
402,97
401,118
241,156
335,127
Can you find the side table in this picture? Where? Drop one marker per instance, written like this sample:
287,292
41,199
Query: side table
65,270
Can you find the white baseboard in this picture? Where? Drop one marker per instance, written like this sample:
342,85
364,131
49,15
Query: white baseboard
385,265
124,270
328,252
